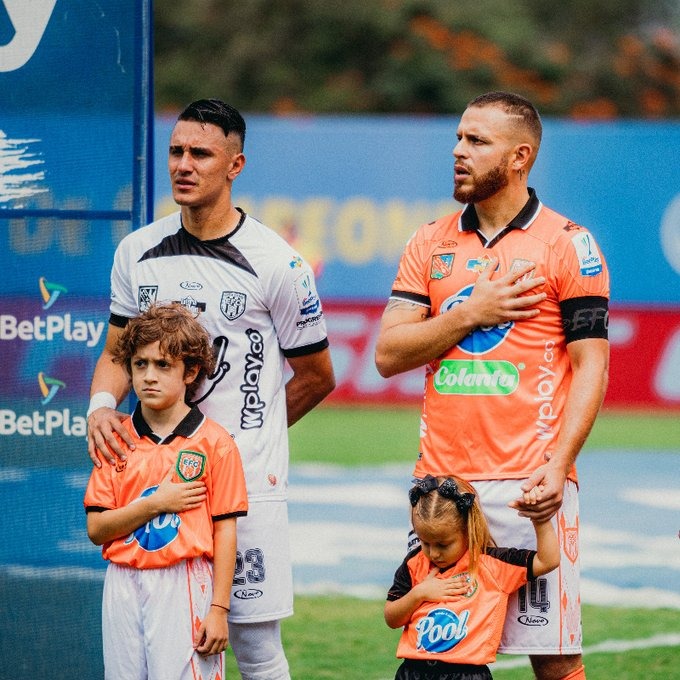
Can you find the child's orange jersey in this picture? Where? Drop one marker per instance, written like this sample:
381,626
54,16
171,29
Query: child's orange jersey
493,403
198,449
465,629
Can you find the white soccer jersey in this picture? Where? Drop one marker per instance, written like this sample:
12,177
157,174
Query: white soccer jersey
257,298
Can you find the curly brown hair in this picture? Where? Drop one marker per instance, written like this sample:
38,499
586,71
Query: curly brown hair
179,334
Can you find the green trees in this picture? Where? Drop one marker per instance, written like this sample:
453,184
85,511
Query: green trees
581,58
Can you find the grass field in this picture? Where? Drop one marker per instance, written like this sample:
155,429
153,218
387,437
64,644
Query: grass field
331,434
346,639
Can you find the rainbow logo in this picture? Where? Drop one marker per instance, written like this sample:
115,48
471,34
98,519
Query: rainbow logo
48,387
50,291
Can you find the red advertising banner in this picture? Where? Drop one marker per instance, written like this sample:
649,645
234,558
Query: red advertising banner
644,370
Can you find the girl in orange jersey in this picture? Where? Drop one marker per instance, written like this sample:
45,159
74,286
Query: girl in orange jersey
450,593
166,515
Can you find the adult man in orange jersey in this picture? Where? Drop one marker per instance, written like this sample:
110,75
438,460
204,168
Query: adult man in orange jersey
506,304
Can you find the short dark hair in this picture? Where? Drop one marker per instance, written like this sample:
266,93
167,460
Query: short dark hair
514,105
218,113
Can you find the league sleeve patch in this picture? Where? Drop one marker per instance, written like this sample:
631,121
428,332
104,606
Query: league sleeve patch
308,300
588,254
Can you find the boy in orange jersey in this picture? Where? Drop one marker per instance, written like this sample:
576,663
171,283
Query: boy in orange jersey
166,516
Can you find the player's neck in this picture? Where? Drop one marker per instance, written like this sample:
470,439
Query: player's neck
164,421
208,223
496,212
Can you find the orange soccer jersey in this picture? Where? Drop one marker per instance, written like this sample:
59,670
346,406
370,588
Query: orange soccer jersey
493,403
198,449
464,629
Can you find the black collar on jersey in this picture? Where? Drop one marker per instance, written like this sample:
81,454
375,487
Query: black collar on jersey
185,428
470,222
184,243
241,220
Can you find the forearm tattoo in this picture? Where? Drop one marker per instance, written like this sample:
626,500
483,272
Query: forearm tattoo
406,306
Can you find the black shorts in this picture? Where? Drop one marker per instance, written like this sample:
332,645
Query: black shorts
417,669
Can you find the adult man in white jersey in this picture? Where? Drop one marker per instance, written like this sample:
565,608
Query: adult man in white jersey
257,298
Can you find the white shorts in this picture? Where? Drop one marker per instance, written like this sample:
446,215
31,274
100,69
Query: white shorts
148,622
544,616
262,589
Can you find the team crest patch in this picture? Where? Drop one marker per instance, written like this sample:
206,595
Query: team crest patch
441,265
569,540
146,296
232,304
474,584
589,259
190,465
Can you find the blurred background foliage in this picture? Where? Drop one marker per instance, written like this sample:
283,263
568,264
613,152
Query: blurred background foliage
576,58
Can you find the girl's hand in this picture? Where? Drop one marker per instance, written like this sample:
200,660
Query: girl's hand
534,495
433,589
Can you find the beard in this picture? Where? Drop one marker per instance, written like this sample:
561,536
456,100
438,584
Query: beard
483,187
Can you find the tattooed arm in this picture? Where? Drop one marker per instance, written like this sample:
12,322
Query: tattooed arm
410,337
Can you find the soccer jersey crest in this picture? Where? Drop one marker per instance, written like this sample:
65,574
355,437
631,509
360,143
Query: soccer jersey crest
441,265
190,465
146,296
232,304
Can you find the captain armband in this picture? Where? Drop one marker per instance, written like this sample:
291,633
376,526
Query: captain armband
585,317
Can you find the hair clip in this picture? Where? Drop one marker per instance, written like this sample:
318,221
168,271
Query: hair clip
448,489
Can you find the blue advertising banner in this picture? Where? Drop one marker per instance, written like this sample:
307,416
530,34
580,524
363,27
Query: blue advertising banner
355,188
76,135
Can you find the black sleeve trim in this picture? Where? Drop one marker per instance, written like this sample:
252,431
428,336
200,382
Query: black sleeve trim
306,350
519,557
585,317
530,567
229,515
118,321
402,583
418,299
95,508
